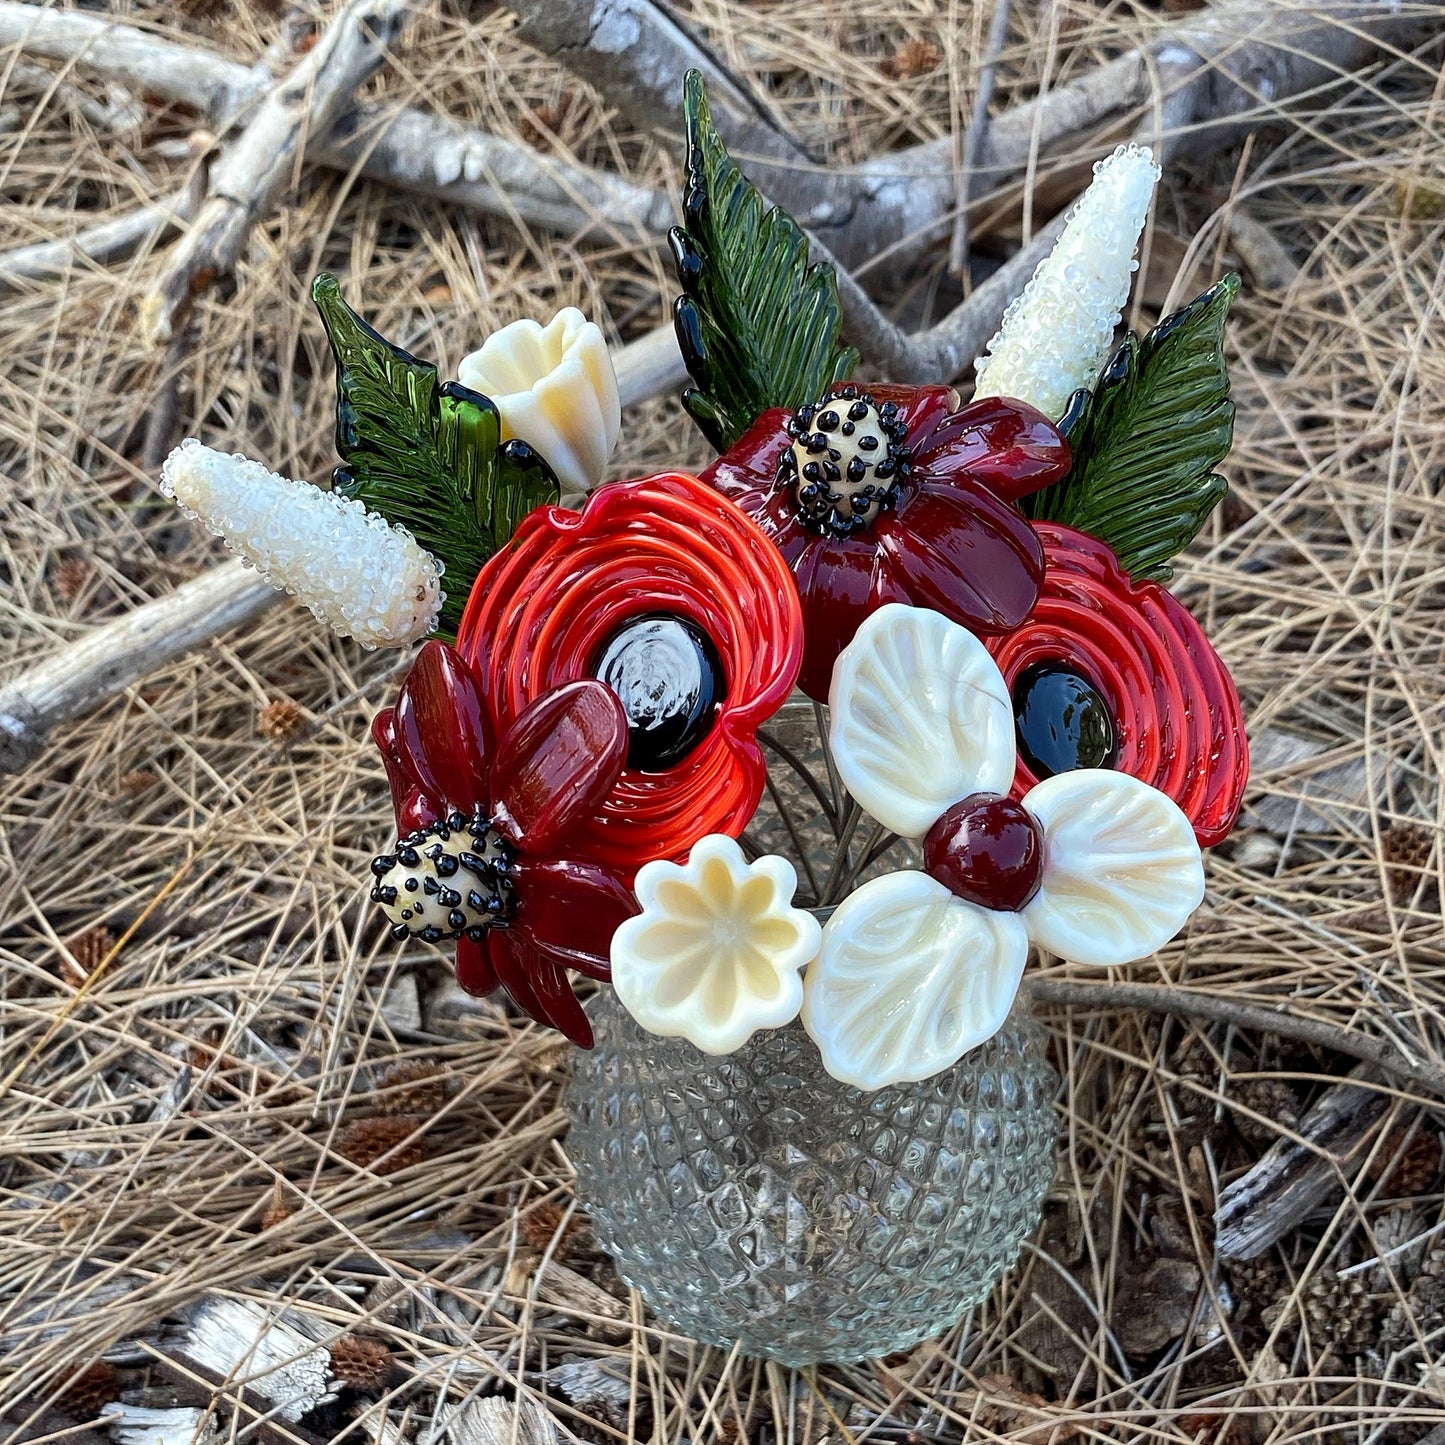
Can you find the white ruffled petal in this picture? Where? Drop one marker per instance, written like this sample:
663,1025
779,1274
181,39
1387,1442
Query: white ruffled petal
920,717
716,952
909,979
1122,868
554,387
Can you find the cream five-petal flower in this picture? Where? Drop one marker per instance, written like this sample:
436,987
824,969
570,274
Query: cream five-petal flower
555,389
920,966
716,952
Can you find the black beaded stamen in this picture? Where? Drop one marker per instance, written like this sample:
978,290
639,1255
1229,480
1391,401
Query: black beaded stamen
833,498
480,850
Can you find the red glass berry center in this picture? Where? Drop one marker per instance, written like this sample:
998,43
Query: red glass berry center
988,850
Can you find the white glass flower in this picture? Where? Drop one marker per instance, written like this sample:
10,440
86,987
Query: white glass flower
555,389
716,952
1055,336
352,568
918,967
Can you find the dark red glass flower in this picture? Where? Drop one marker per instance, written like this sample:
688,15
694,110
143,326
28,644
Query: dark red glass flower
655,584
895,495
488,814
1175,713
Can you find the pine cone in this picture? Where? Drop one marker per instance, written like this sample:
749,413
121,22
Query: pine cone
1341,1310
412,1086
377,1144
1274,1099
1255,1283
539,1226
914,57
361,1363
280,720
90,1388
89,950
1424,1305
1416,1168
71,574
1405,849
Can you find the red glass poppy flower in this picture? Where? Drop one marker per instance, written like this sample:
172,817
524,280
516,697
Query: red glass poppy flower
684,606
895,495
1112,672
488,814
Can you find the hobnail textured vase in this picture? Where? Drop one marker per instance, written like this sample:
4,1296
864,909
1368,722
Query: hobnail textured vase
752,1197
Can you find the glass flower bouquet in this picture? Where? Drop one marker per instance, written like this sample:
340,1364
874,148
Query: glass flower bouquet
811,1116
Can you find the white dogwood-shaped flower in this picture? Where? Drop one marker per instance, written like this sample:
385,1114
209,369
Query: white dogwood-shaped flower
918,967
716,951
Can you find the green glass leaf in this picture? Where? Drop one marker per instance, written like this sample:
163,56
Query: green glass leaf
758,326
1146,443
427,455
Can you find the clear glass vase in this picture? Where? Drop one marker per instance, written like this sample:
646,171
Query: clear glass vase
752,1197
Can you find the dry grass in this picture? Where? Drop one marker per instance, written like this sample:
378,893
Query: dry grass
188,1104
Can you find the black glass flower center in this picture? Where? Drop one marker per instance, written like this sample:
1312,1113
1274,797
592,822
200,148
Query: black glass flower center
846,462
667,672
449,880
1063,721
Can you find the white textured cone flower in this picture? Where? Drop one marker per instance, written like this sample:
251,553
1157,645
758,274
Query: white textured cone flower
352,568
1057,334
716,951
555,388
918,967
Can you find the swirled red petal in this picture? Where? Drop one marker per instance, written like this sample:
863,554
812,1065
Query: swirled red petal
1179,725
544,607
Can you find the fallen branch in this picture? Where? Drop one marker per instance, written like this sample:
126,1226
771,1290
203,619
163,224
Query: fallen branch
108,241
410,148
1227,66
975,137
1220,1008
636,53
1295,1175
80,676
944,351
261,162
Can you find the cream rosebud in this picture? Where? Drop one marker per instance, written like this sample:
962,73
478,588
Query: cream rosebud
1057,334
555,388
352,568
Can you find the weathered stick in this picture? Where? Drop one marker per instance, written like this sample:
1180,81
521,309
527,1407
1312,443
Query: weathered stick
1232,64
1259,1208
79,677
944,351
975,137
262,161
1192,1003
410,148
108,241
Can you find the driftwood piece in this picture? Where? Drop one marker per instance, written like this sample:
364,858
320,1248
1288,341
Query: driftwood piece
176,1425
262,161
108,241
238,1341
1212,70
410,148
1194,1003
499,1421
80,676
1296,1174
